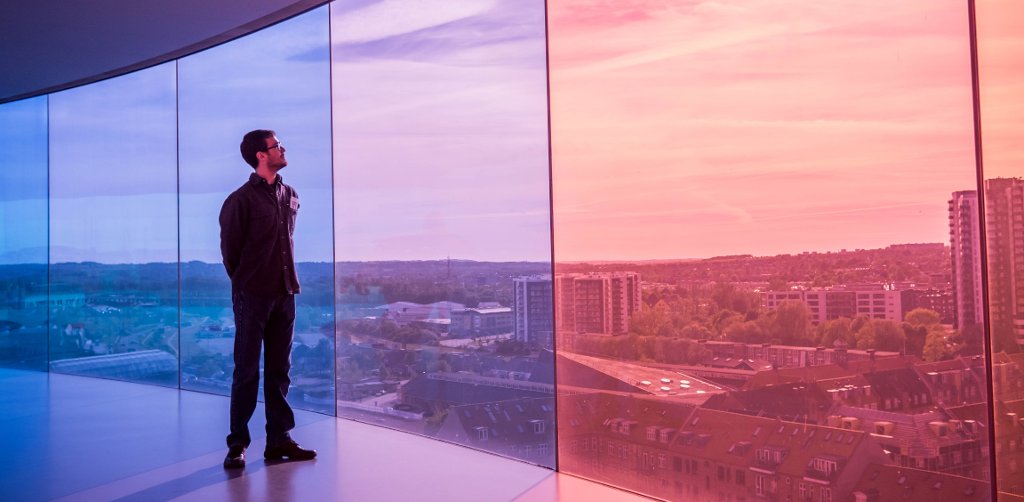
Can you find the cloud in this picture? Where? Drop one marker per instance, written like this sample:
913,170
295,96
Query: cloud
756,126
389,18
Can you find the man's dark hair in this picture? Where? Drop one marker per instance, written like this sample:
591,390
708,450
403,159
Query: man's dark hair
252,142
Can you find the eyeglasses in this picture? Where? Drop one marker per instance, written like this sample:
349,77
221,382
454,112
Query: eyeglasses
278,146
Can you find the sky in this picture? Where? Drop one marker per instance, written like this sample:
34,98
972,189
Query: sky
440,130
23,184
680,129
277,78
1000,52
113,170
122,149
439,144
700,128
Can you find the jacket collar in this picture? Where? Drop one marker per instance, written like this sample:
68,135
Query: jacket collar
257,180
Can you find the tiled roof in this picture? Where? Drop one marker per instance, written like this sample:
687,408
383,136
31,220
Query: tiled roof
736,363
520,428
977,411
890,482
897,383
517,421
912,431
723,437
857,380
850,389
794,401
815,373
593,413
1004,421
939,366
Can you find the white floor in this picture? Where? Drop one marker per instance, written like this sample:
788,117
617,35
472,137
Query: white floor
77,438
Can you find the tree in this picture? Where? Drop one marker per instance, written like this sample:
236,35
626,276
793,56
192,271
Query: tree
916,335
722,294
777,284
649,320
917,324
723,319
889,336
829,332
881,334
727,297
922,317
695,331
667,330
746,332
790,323
865,336
936,347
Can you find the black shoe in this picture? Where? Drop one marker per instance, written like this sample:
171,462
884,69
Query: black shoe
290,449
235,458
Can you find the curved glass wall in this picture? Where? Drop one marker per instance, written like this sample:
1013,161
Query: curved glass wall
768,230
277,78
441,222
113,228
1000,47
23,243
767,267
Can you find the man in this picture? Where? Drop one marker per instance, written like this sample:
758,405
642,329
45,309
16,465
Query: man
256,227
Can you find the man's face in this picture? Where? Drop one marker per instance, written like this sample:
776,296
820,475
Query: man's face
275,154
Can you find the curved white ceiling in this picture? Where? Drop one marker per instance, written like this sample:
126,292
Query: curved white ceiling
46,46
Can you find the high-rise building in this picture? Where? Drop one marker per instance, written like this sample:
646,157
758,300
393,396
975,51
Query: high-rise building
1004,236
965,252
833,303
935,299
533,309
597,302
626,299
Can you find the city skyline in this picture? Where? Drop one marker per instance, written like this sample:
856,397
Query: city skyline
115,253
464,259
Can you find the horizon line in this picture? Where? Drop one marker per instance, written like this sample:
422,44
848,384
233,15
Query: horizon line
466,260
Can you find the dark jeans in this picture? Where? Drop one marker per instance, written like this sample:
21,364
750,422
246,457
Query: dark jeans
265,321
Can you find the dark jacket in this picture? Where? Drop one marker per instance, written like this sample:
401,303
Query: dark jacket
256,226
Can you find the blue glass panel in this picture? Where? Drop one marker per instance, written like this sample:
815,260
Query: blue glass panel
23,246
277,79
442,223
113,228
